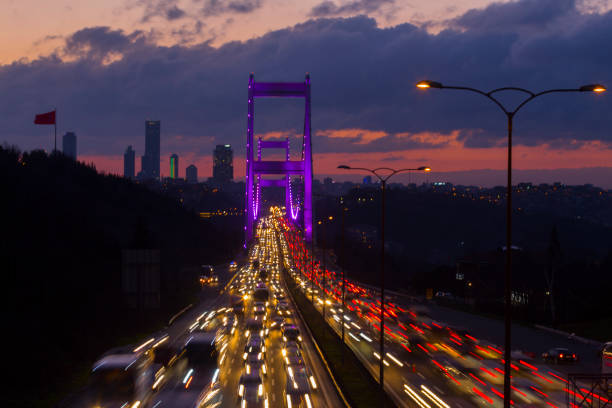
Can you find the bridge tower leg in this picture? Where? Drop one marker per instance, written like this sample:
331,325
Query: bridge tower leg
249,199
308,213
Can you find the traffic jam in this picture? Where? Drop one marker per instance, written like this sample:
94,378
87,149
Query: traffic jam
428,363
246,350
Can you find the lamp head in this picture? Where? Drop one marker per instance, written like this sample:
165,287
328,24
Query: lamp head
344,166
428,84
424,168
593,88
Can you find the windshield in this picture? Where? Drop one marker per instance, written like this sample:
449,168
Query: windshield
201,353
112,384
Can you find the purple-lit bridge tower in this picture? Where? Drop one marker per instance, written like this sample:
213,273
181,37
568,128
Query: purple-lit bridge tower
256,168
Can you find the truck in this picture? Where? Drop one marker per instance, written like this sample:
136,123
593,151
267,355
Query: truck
207,275
122,379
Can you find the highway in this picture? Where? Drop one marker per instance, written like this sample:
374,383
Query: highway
432,359
244,344
261,357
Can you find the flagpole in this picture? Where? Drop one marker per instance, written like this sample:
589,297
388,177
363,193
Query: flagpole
55,131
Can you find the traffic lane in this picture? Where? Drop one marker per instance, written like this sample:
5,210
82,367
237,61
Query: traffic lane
209,297
232,366
276,378
523,338
326,394
397,373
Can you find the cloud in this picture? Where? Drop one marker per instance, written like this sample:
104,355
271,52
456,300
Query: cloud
106,82
166,9
517,15
330,9
218,7
355,136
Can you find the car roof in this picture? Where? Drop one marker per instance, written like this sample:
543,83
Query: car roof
254,376
201,337
122,361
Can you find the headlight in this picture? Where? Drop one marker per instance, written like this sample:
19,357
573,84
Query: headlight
260,390
241,390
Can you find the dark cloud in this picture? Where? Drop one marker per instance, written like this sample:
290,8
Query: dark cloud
106,82
514,16
218,7
330,9
96,43
166,9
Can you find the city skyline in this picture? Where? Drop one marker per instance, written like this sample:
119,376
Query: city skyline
326,197
384,120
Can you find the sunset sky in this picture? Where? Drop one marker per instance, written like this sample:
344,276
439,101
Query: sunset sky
109,65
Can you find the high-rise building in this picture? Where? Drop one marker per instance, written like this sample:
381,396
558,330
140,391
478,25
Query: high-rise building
69,146
223,170
129,163
174,167
151,158
191,174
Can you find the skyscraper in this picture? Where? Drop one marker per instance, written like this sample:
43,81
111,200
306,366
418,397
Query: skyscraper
174,167
223,170
191,174
69,146
129,163
151,158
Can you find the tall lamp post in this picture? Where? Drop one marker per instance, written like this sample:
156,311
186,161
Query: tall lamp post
324,244
386,174
508,273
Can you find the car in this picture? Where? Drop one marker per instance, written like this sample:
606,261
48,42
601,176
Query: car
302,378
255,346
297,388
276,322
259,311
291,333
559,355
254,326
292,354
254,364
250,390
233,265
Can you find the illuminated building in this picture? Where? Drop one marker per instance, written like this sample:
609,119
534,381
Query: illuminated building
174,166
223,169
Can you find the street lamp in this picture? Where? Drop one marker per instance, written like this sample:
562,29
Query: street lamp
510,116
324,244
383,177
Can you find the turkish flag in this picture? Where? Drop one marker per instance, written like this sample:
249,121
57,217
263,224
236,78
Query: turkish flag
45,118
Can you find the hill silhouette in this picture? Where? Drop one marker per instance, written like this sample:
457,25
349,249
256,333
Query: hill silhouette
64,228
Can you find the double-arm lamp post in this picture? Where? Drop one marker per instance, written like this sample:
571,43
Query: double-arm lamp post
386,174
529,96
